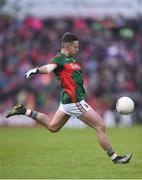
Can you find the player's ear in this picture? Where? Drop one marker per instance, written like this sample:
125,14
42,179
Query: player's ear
64,45
67,46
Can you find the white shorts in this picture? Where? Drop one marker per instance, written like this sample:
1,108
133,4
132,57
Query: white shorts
75,109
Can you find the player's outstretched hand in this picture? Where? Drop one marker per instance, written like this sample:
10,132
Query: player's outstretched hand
29,74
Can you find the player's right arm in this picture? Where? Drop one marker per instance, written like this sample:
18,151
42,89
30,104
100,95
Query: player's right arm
46,69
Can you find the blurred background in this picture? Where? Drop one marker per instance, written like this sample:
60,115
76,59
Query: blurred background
110,33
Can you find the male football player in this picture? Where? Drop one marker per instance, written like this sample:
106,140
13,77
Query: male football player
72,102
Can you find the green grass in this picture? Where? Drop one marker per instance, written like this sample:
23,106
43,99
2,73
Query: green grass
70,153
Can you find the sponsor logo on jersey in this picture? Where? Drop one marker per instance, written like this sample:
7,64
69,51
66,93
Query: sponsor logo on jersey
75,66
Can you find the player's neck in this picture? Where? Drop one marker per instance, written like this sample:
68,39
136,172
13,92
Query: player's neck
65,52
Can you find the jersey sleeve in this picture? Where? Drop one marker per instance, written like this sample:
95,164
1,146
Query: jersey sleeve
55,61
58,63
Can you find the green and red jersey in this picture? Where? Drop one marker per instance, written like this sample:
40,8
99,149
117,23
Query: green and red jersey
69,74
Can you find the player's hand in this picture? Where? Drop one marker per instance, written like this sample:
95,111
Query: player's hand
29,74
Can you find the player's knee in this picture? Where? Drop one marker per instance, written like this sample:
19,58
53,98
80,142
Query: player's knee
53,128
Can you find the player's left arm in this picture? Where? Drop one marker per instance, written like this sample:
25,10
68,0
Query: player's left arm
46,69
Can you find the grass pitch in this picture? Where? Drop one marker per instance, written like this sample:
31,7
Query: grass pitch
36,153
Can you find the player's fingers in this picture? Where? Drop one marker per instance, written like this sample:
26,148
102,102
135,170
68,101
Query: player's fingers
27,75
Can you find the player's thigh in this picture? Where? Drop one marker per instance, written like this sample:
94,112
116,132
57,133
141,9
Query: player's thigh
92,119
59,119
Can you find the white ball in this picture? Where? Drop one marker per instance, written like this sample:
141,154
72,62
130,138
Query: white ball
125,105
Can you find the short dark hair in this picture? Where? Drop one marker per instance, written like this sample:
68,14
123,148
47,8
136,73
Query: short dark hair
69,37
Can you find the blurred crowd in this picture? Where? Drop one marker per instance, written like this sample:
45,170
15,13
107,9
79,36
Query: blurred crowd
110,54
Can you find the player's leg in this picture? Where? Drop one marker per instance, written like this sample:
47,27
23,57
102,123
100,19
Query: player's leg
92,119
52,124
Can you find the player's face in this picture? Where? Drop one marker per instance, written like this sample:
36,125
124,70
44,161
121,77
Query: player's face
73,48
